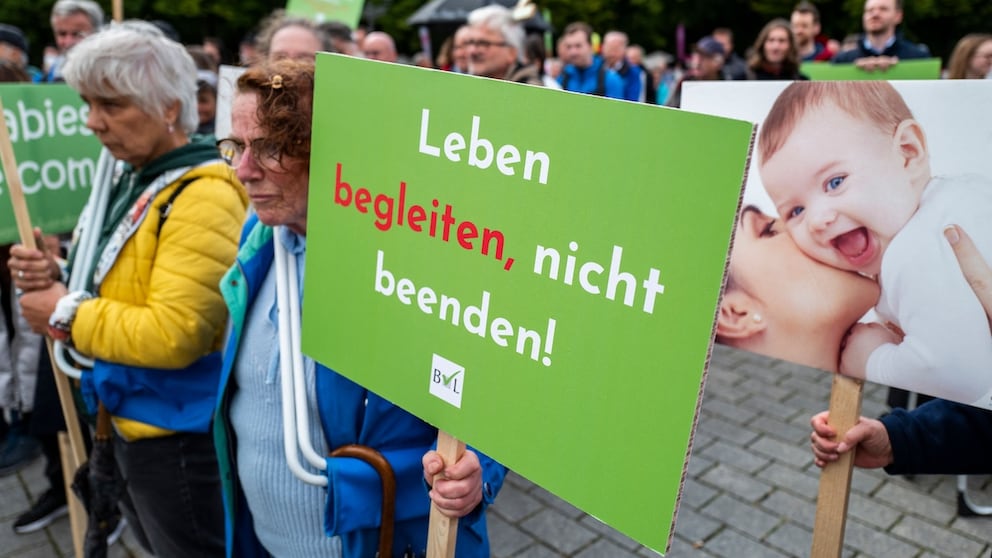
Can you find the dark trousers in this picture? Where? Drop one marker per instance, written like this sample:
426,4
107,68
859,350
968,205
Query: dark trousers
174,486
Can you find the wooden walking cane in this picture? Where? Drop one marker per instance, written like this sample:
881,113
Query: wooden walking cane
77,450
442,532
388,478
835,480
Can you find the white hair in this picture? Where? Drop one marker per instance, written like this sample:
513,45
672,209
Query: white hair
135,60
500,18
90,9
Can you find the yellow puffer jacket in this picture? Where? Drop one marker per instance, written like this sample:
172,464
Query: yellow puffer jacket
159,306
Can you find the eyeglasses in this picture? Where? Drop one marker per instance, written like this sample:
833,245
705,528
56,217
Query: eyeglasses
482,43
262,151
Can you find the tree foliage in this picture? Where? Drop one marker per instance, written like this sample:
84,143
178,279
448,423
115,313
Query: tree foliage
651,23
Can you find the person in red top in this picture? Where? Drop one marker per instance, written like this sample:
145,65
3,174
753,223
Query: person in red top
805,22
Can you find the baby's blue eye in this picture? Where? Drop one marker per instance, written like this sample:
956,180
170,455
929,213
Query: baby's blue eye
834,183
796,211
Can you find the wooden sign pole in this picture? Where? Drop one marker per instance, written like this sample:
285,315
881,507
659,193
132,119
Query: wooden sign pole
77,450
835,480
443,530
118,10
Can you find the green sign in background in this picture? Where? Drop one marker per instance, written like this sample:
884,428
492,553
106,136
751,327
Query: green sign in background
345,11
928,68
56,155
606,423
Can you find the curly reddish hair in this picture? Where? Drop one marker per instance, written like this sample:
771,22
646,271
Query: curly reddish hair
285,104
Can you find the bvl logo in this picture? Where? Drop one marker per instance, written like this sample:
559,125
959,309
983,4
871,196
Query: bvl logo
447,380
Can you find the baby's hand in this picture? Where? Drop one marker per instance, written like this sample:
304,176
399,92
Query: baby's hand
860,343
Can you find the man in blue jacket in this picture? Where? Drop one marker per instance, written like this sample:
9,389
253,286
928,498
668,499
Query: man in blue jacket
585,71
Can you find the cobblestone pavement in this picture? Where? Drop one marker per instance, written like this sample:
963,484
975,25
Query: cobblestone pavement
750,491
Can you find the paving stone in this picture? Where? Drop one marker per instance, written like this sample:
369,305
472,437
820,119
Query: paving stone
680,549
731,543
946,542
978,527
506,539
537,550
917,503
698,464
605,549
872,511
558,531
555,502
726,430
757,385
785,431
764,405
791,539
695,495
514,504
872,542
787,505
735,482
733,413
789,453
736,456
605,530
867,481
520,482
696,527
796,481
742,516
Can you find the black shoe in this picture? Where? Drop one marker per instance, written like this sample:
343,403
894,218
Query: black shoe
18,451
47,509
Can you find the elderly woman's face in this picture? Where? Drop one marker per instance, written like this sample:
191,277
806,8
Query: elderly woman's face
127,131
793,287
277,190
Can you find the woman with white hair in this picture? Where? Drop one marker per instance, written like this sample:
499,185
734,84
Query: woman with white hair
145,305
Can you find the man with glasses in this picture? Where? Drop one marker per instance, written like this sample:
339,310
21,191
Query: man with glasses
72,21
494,44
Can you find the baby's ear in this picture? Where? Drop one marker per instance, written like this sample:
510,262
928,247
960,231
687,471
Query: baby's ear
911,142
739,317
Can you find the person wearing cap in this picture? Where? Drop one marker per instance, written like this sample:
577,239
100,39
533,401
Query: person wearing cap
734,67
706,63
14,48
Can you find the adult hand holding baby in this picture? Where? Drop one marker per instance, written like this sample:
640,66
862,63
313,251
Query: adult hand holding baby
976,270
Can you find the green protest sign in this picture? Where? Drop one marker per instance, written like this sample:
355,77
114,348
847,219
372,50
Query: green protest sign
56,155
928,68
534,271
345,11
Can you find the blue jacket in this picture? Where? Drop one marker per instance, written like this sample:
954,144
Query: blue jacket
349,414
940,437
597,79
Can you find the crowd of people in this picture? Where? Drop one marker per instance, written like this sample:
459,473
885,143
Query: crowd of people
175,278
